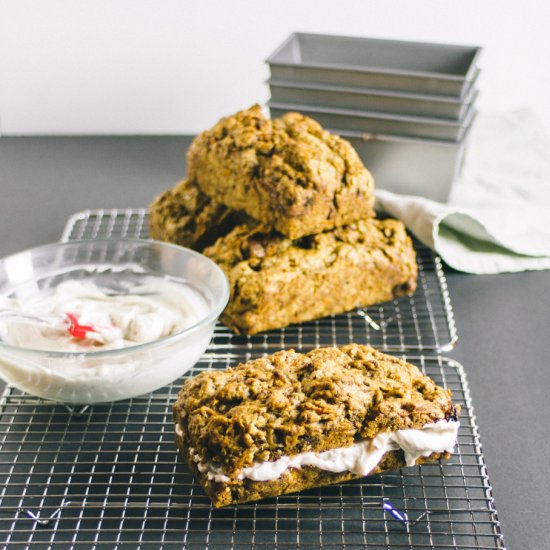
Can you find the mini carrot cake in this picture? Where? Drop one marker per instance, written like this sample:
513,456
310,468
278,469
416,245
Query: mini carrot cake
276,282
287,173
184,215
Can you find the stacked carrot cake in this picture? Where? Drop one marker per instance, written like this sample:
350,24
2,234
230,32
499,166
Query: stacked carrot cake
286,209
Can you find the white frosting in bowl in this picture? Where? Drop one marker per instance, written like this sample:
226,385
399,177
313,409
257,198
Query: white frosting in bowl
155,305
144,343
143,313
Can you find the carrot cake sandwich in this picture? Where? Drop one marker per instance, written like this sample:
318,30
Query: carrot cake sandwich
290,422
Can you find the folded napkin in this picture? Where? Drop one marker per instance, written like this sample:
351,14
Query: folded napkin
498,216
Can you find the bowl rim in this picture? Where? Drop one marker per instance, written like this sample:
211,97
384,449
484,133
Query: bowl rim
212,315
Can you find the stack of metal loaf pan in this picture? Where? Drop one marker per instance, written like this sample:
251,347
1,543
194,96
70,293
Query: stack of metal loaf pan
407,107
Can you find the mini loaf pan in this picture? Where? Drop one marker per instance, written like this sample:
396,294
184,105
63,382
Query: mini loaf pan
410,166
416,67
380,123
378,101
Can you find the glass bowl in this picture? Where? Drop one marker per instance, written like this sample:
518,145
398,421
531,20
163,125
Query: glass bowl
88,377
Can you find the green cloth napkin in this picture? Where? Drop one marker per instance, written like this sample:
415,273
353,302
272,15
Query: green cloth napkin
498,217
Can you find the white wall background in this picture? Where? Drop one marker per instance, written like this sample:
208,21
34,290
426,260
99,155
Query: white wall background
175,66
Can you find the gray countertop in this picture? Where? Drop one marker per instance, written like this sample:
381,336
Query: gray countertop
503,320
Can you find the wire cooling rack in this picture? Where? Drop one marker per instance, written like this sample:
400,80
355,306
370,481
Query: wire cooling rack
423,321
108,476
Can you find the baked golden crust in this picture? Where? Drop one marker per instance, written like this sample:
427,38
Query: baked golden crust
184,215
287,173
288,403
276,282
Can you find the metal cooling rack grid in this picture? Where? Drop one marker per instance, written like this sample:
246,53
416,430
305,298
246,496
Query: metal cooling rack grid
117,468
110,477
423,321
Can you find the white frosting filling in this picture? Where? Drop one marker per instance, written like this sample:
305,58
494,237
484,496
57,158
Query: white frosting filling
361,458
146,312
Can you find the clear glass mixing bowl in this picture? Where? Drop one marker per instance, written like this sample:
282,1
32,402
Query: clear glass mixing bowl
108,375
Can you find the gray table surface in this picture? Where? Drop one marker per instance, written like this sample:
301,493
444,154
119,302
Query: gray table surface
503,320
